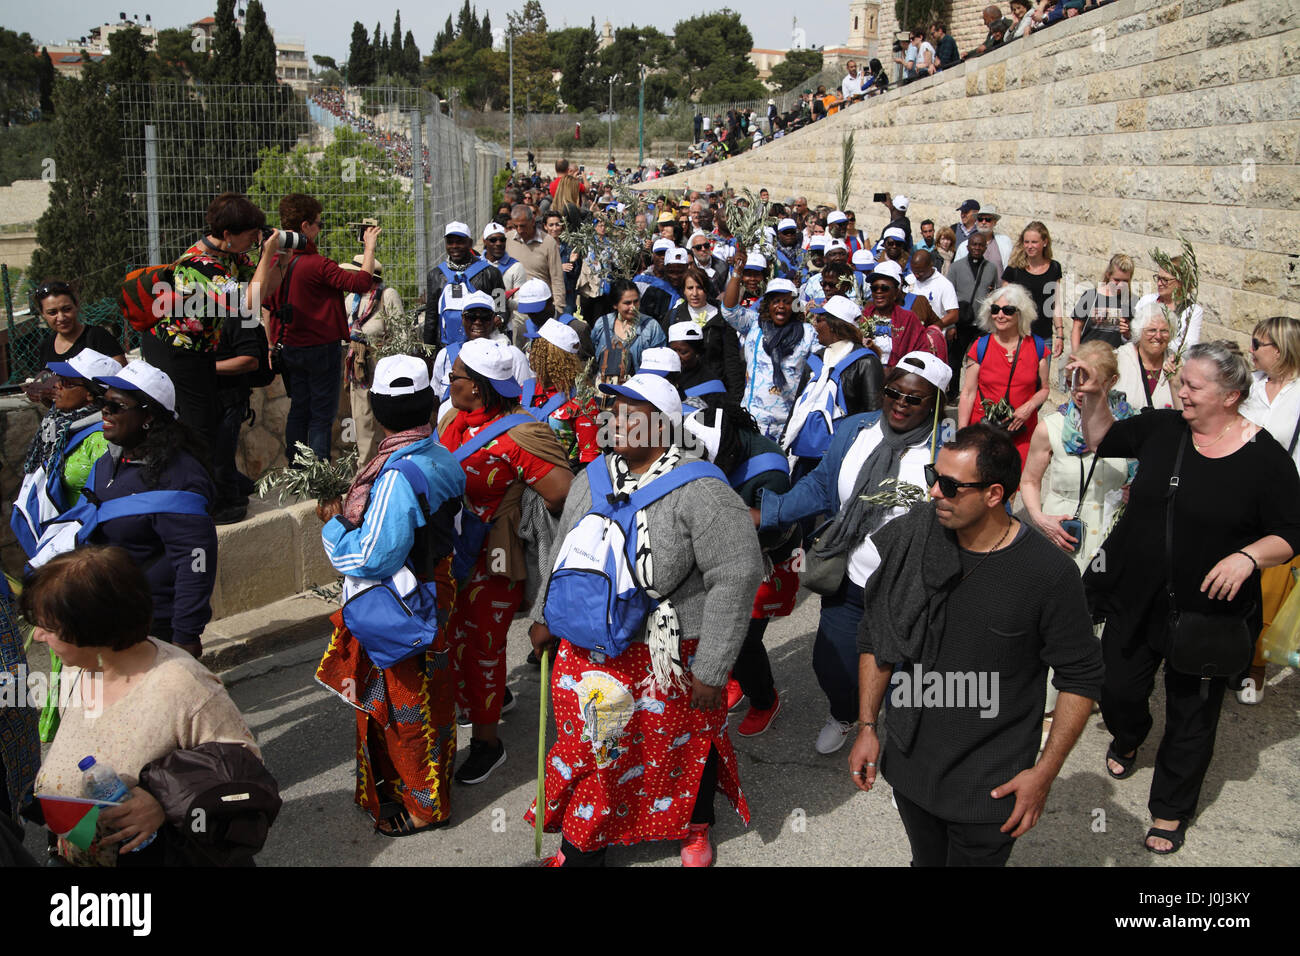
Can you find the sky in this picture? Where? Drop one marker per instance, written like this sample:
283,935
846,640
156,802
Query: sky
326,25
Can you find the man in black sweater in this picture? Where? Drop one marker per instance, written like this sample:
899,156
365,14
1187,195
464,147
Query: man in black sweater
968,609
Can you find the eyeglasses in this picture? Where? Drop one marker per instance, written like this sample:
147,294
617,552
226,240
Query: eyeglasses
985,219
478,317
702,247
453,377
948,486
882,287
913,400
1163,280
53,288
1004,309
109,407
1256,345
64,382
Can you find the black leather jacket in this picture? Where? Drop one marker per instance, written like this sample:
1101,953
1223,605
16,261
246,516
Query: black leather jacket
722,353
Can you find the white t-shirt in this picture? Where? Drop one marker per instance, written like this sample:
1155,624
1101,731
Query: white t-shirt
851,86
864,559
921,61
1279,416
940,292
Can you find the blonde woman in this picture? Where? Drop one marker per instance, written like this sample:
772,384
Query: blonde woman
1274,404
945,247
1106,312
1031,265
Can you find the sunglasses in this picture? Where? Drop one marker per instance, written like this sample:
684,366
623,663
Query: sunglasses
478,317
913,400
109,407
1256,344
500,239
1004,309
948,486
882,287
702,247
985,219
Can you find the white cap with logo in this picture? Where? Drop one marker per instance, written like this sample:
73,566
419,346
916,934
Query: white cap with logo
400,375
685,332
660,361
532,296
454,228
559,335
142,377
493,360
651,388
87,364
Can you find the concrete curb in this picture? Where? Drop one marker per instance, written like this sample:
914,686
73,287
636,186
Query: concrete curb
235,645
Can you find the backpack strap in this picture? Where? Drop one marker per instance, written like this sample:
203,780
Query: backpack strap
760,464
843,364
152,502
1040,346
76,438
711,387
494,430
543,412
414,475
981,346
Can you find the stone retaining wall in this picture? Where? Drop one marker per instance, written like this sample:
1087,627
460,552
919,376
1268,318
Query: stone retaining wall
1120,130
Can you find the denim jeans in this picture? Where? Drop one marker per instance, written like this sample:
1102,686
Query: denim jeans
313,377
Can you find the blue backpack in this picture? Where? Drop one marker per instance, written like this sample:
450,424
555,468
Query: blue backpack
42,498
451,328
827,407
760,464
593,599
471,530
74,527
399,616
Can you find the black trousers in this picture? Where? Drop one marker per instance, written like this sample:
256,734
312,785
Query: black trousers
961,339
703,813
194,376
753,670
1191,721
938,842
231,485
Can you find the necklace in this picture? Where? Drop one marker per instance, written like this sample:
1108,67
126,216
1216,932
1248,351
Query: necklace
986,554
1199,445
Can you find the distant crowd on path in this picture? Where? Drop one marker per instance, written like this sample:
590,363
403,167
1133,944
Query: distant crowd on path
646,433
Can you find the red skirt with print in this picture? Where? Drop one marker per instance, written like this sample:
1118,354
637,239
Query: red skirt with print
627,765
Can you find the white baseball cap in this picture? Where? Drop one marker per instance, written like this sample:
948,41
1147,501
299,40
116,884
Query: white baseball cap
756,260
929,366
685,332
662,245
559,335
457,229
835,216
817,242
890,270
477,300
863,260
142,377
834,244
532,296
493,360
676,257
655,389
894,232
494,229
87,364
780,285
660,361
400,375
901,203
786,224
840,307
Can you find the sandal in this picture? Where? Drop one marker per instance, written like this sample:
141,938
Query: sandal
1128,763
1175,837
403,825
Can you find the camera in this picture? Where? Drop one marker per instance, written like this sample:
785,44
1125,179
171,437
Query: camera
358,229
288,240
880,197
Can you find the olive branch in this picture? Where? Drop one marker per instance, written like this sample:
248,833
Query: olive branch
313,478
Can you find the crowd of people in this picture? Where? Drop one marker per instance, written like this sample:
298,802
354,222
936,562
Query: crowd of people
644,424
395,144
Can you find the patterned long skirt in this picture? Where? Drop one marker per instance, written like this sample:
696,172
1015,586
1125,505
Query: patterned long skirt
406,729
628,761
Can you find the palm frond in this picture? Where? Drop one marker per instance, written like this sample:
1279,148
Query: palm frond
846,170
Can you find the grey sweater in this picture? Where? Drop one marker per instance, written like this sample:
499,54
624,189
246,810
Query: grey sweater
706,557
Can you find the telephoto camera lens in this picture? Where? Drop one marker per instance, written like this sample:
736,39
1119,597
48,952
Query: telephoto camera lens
292,240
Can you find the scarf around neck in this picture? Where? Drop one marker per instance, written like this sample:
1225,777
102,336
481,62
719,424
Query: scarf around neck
779,342
358,496
52,436
1072,428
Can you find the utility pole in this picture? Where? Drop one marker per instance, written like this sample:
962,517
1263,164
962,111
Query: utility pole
510,44
640,120
609,119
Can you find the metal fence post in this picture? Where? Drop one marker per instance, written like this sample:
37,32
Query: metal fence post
417,196
151,191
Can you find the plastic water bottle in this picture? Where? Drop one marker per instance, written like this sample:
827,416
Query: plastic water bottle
101,782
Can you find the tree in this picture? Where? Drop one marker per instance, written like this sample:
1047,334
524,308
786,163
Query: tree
445,36
18,94
257,55
395,46
82,234
534,58
797,66
485,32
712,58
361,60
633,48
324,62
45,84
410,58
920,13
177,58
225,62
467,22
578,64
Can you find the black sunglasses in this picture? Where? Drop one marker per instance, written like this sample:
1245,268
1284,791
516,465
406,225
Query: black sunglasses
1256,344
478,317
882,287
949,487
109,407
890,392
1004,309
495,239
986,219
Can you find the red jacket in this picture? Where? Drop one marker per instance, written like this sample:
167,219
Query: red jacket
316,294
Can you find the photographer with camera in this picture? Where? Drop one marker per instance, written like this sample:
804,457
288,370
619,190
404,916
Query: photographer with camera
308,324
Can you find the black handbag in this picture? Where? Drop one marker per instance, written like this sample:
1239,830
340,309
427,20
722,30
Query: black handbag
1201,645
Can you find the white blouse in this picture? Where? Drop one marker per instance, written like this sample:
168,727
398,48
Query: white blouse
1280,416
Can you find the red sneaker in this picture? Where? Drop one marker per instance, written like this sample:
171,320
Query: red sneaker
734,694
697,848
756,721
557,860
